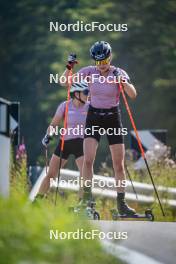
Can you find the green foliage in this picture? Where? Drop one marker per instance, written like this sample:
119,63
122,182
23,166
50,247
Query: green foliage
25,235
25,229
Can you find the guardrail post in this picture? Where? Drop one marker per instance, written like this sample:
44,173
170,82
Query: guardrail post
4,147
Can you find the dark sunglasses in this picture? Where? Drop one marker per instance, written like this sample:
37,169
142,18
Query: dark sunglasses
85,92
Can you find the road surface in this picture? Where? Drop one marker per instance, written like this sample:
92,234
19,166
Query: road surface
152,242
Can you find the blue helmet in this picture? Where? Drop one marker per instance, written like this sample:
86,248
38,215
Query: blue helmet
101,50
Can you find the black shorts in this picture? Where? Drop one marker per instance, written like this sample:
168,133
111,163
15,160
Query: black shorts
110,118
71,146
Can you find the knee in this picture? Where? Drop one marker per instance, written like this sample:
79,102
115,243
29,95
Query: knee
88,161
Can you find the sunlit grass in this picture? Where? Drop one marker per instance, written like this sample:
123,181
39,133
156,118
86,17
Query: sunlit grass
25,229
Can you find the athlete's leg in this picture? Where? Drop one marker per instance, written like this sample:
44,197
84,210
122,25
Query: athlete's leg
90,149
118,153
52,173
79,163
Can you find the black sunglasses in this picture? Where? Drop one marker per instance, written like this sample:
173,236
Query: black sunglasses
85,92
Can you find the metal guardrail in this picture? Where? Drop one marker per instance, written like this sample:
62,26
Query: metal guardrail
144,191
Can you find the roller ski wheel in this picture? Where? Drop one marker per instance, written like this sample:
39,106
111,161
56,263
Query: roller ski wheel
96,216
148,215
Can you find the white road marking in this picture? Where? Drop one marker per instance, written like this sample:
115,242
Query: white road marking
128,255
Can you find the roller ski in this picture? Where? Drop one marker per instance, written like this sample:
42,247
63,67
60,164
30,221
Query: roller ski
123,211
86,208
148,215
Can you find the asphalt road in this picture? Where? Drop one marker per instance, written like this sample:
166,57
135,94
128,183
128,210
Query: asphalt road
156,240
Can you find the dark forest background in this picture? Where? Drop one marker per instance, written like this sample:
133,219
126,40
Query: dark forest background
29,52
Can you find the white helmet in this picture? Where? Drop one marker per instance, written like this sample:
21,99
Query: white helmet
79,87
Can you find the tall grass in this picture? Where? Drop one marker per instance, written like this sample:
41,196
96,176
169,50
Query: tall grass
25,228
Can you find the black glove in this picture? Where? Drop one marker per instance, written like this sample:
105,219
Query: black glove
46,140
120,76
117,73
71,61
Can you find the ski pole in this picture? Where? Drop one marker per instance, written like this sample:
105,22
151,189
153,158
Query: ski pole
46,159
62,138
129,176
140,146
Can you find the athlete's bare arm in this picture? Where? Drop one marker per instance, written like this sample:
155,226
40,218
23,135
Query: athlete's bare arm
54,123
130,90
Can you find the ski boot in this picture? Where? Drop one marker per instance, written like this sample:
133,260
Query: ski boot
91,211
122,206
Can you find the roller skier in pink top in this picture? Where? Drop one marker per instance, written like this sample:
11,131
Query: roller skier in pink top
104,112
73,142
